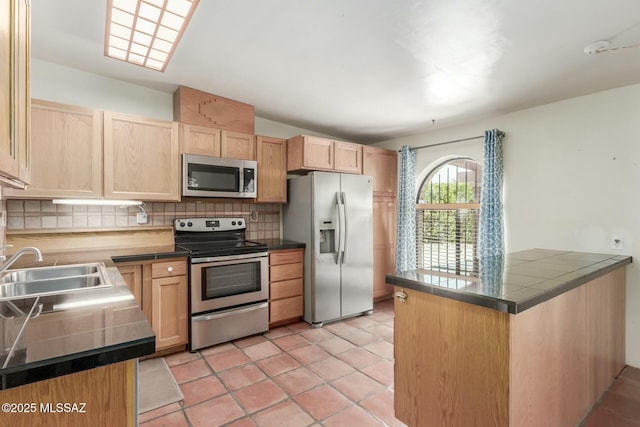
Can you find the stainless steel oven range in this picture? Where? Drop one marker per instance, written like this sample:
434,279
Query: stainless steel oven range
229,280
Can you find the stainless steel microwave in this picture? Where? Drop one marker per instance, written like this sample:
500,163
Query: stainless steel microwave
204,176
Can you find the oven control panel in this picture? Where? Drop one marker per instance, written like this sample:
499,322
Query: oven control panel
209,224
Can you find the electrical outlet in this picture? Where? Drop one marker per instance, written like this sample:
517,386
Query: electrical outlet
617,242
141,218
254,216
3,219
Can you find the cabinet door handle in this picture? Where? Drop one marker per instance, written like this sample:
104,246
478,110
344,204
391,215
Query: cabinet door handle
402,296
170,269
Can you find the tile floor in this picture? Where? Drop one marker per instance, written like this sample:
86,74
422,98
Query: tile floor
338,375
620,405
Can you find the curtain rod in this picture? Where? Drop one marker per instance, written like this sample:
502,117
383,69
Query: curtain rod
450,142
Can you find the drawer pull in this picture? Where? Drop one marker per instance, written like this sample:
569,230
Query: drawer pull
170,269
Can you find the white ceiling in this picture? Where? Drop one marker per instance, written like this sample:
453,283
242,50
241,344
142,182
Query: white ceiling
370,70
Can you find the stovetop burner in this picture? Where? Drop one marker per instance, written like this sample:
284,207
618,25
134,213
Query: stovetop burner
207,237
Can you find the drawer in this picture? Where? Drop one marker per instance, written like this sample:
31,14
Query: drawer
285,289
285,272
169,268
283,309
285,256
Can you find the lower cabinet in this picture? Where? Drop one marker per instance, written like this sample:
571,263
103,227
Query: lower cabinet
161,288
286,287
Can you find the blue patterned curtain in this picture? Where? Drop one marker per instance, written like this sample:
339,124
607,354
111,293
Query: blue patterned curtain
406,238
491,229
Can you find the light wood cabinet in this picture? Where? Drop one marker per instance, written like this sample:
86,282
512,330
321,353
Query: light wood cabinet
162,287
382,165
140,158
306,153
272,169
67,152
15,21
201,140
347,157
286,286
309,153
132,275
236,145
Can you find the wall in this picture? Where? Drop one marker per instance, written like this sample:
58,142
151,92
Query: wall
571,178
53,82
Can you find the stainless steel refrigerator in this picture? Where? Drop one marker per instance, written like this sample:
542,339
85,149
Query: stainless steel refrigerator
332,213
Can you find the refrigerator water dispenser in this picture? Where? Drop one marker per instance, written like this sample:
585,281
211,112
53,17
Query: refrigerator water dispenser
327,230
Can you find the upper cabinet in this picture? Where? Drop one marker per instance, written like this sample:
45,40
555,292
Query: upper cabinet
236,145
85,153
382,165
67,152
347,157
201,140
140,158
305,153
15,163
272,169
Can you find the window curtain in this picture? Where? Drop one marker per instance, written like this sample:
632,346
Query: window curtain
491,228
406,232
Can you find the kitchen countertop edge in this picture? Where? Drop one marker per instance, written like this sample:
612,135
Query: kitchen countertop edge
511,306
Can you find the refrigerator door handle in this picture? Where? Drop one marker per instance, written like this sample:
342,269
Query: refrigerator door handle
346,227
340,225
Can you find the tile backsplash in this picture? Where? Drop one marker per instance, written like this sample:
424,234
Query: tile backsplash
44,215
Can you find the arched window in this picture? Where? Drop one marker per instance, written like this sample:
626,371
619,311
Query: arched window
448,209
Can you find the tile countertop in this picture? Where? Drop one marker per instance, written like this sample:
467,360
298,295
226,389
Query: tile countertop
516,282
80,330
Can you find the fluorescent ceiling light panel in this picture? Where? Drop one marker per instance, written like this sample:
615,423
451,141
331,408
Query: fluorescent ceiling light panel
135,26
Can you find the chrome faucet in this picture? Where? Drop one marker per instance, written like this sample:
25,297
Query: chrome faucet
18,254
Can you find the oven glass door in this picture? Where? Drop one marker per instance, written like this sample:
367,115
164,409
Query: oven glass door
229,281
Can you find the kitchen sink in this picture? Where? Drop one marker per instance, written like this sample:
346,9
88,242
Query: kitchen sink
33,282
47,273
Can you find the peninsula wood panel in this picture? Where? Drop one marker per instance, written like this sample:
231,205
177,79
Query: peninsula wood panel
201,140
348,157
451,363
140,158
108,391
605,301
272,169
66,153
549,362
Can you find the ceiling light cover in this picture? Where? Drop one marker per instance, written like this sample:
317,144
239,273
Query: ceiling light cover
134,26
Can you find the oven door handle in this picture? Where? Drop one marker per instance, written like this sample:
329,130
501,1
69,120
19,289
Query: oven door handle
230,257
225,313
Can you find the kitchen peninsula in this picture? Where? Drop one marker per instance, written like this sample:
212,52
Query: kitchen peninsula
534,340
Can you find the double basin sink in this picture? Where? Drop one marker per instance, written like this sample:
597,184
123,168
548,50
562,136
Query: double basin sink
44,281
